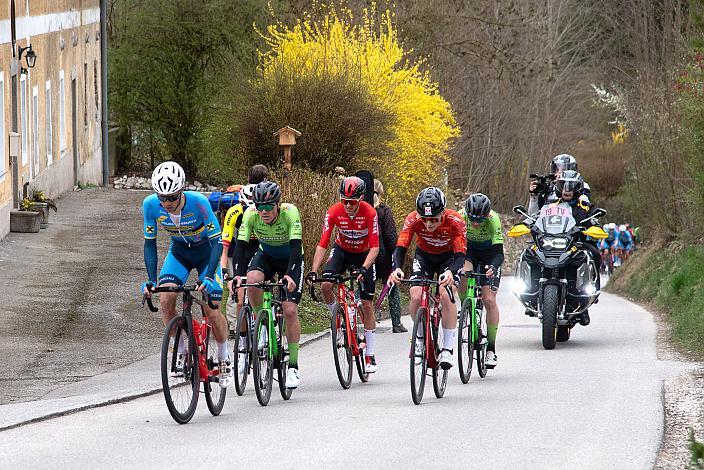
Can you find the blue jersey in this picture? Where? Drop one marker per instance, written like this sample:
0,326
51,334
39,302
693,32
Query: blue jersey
198,222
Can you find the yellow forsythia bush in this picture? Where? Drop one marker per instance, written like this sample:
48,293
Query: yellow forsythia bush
420,125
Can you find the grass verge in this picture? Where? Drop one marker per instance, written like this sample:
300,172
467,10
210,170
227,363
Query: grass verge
670,279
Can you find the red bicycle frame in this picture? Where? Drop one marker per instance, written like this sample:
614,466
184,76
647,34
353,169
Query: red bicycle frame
345,297
200,328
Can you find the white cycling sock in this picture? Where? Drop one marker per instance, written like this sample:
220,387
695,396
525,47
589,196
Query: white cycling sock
181,344
222,351
448,338
369,337
333,307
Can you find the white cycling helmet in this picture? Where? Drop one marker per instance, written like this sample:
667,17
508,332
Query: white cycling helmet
612,226
168,178
246,194
621,228
606,227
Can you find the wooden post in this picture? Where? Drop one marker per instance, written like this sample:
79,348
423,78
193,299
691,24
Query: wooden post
287,139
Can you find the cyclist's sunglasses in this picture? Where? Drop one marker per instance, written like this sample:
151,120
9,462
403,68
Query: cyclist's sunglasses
169,197
477,218
265,207
431,220
350,202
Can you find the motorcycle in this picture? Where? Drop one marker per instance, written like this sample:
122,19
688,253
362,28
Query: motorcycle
556,277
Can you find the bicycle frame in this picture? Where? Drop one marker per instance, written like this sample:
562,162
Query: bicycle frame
346,297
431,317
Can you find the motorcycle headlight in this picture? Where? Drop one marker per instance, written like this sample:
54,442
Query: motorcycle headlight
554,243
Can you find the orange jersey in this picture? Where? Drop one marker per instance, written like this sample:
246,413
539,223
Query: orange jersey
449,236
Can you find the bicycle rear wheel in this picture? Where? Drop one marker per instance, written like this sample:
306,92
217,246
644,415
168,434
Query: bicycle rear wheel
262,362
179,371
480,326
244,322
341,351
439,374
419,361
360,359
283,359
214,393
465,345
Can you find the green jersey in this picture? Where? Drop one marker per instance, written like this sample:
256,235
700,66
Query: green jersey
273,239
487,234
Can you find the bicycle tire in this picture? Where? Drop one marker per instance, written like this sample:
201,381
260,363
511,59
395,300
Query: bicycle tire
439,374
241,380
480,349
261,362
283,360
418,376
360,359
214,393
465,343
181,396
341,351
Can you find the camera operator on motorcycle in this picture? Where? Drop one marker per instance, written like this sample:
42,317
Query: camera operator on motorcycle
542,188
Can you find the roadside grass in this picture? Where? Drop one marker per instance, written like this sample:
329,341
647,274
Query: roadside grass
670,279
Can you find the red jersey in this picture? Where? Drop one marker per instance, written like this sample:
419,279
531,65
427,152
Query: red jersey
354,234
449,236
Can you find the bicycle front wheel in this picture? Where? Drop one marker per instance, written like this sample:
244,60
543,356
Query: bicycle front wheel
179,370
283,359
214,393
419,360
341,351
262,362
465,345
243,349
483,342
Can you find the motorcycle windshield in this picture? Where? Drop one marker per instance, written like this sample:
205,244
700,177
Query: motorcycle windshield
555,218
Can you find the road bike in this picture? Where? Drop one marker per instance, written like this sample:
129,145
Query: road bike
243,344
346,327
189,357
472,339
270,349
426,340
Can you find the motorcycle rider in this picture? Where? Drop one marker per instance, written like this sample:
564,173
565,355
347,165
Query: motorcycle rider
541,195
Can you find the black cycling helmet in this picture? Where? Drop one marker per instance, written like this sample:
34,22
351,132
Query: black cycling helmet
430,202
569,180
352,187
563,162
266,192
477,205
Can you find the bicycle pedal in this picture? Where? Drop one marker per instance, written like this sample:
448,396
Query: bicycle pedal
488,366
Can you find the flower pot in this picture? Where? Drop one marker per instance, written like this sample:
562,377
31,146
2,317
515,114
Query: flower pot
25,221
43,209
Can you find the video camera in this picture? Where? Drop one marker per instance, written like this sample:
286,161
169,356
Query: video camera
544,185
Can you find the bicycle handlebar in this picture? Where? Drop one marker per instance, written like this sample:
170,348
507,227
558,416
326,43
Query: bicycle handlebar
178,289
333,278
469,275
430,282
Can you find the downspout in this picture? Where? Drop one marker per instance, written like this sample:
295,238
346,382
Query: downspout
104,88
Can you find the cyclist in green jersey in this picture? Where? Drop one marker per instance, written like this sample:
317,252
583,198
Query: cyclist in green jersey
485,254
277,227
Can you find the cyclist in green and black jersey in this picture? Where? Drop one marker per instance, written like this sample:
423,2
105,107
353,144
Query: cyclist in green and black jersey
485,254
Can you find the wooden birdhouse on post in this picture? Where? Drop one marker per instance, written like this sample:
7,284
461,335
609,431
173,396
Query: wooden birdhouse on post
287,138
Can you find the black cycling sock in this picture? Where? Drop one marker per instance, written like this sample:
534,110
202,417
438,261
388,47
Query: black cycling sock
293,365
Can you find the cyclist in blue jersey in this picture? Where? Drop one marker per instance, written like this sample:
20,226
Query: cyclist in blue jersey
195,244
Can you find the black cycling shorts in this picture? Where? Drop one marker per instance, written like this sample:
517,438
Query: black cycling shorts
340,260
427,265
479,260
272,266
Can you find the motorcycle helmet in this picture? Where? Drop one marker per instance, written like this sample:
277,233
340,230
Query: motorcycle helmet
430,202
571,181
562,162
168,178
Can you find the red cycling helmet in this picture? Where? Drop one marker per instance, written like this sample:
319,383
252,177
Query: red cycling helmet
352,188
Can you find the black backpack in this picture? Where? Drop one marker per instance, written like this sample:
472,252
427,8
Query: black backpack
368,178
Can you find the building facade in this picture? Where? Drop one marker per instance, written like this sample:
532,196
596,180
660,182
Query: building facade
55,106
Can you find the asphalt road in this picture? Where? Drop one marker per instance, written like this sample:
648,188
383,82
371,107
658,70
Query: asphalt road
594,402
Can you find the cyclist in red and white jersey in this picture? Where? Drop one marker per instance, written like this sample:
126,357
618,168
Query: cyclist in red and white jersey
357,245
441,248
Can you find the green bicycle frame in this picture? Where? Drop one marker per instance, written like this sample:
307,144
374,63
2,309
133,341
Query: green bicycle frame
271,325
472,294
